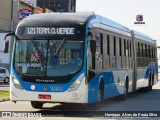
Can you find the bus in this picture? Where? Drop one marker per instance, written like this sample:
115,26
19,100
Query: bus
113,60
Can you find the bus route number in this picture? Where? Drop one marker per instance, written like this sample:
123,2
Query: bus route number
49,31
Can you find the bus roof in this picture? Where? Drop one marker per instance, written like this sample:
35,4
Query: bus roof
55,18
72,18
144,37
61,19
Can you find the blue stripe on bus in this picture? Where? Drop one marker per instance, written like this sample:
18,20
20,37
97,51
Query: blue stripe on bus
110,88
39,87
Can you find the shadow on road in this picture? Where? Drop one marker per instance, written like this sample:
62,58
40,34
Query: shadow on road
80,110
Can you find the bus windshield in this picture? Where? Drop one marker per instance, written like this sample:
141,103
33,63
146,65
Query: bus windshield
48,57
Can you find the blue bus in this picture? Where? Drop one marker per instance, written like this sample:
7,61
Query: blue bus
78,58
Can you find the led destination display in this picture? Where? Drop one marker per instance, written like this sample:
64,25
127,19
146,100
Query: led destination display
49,31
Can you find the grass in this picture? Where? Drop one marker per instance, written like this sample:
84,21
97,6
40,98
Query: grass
4,93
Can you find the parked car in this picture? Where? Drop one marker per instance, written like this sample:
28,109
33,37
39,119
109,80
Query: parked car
4,75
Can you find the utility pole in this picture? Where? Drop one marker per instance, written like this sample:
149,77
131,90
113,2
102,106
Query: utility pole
12,30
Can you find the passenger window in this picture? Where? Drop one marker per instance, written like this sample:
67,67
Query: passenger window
142,49
108,45
124,47
130,49
120,47
3,71
114,45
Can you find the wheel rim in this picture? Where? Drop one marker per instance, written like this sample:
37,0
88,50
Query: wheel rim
6,80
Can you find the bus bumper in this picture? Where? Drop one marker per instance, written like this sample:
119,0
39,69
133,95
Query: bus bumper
78,96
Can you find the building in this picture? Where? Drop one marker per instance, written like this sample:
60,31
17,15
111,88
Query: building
57,5
5,27
5,15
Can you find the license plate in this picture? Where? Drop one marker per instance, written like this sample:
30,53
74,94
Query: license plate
43,96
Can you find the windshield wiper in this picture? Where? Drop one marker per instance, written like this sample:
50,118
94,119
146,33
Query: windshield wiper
59,48
37,49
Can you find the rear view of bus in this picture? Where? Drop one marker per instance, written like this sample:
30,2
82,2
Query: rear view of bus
42,67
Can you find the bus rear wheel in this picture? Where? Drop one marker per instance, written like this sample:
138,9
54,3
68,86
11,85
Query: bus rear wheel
124,95
149,87
36,104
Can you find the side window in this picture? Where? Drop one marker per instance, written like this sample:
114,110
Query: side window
137,49
3,71
99,51
118,53
105,51
130,49
101,40
101,48
114,45
98,44
124,47
149,51
142,49
127,48
146,50
112,52
153,52
108,45
120,47
0,70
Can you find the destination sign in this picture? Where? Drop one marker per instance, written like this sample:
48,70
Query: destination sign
49,31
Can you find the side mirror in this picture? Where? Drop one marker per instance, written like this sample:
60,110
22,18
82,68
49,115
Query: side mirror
6,46
91,74
93,46
6,43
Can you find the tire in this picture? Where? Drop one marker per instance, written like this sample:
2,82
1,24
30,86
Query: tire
124,95
151,83
150,86
36,105
146,89
6,80
96,105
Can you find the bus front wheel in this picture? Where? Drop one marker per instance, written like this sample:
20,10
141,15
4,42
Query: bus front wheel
99,96
36,104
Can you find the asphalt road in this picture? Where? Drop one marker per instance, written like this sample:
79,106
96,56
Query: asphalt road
138,101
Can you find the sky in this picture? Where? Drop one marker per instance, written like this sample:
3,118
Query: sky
125,11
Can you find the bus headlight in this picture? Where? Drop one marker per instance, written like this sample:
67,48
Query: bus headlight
76,84
16,82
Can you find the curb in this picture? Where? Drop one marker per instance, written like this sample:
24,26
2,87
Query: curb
4,99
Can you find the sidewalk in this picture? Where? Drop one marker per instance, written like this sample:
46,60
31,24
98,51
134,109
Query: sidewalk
4,99
4,95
